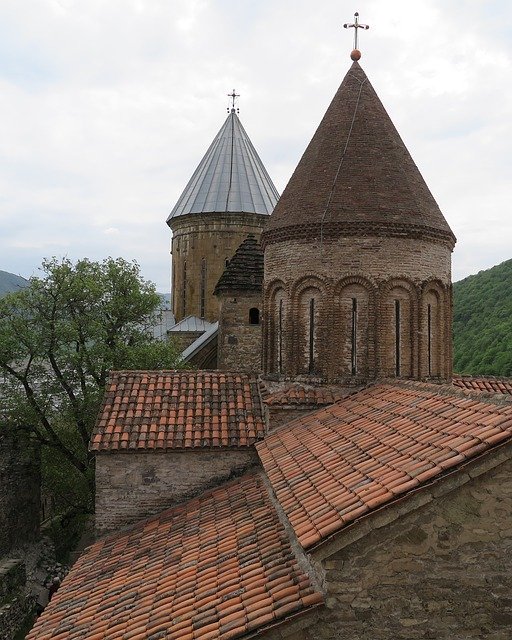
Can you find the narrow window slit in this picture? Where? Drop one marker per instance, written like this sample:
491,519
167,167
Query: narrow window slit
353,356
429,334
311,365
280,339
397,338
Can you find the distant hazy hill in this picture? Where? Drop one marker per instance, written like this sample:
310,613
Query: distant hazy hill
482,323
11,282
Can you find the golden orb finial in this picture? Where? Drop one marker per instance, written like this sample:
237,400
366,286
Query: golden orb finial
355,55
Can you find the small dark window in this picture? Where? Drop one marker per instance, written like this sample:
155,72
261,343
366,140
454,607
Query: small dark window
254,316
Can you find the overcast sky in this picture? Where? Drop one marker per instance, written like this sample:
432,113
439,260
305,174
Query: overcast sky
107,106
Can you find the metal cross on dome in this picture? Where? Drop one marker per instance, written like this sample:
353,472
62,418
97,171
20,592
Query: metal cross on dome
356,26
233,97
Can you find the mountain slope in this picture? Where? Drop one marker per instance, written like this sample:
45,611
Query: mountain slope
11,282
482,322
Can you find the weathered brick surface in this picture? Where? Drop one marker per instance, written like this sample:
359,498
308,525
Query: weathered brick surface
376,271
239,343
20,492
132,486
211,236
442,571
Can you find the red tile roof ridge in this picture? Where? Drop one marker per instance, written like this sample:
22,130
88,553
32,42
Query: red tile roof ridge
491,384
447,389
380,443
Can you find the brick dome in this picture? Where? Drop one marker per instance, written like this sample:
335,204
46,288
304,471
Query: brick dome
357,256
356,177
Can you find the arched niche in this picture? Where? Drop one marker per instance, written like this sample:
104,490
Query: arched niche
308,297
353,328
275,328
434,329
398,329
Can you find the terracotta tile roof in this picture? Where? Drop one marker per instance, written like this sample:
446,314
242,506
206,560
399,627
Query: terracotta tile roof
244,271
297,395
158,410
218,566
332,466
489,384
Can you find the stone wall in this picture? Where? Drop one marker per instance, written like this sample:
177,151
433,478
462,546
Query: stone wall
201,244
441,571
20,489
239,345
15,603
332,310
132,486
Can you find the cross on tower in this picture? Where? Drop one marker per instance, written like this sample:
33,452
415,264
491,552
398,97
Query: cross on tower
356,26
233,97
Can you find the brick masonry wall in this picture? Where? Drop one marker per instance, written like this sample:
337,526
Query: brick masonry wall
375,272
132,486
20,490
214,237
442,571
239,344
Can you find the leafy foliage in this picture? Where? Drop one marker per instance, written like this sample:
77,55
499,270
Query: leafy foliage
59,338
482,323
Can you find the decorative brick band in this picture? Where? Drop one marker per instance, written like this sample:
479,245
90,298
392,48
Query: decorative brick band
361,229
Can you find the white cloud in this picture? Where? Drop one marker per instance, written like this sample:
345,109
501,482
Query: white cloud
107,107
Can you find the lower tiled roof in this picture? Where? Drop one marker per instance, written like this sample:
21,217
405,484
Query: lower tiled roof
158,410
218,566
487,384
334,465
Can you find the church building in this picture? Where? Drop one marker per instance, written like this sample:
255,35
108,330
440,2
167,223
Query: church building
332,478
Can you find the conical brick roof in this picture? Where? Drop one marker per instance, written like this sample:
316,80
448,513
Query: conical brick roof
356,177
230,177
244,271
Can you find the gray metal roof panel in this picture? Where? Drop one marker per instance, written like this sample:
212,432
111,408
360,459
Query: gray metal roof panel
230,177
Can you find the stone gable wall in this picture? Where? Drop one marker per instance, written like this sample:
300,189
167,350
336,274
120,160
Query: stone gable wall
239,345
132,486
375,273
443,571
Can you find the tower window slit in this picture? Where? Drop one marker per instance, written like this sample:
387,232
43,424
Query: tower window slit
203,288
280,338
184,290
353,356
429,338
397,338
311,363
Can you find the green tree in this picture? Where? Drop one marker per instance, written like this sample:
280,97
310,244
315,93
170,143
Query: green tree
59,338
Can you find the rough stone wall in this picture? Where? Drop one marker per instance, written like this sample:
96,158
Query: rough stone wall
279,415
15,603
239,345
20,489
213,237
132,486
373,274
442,571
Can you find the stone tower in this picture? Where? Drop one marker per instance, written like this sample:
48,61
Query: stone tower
357,279
229,196
239,291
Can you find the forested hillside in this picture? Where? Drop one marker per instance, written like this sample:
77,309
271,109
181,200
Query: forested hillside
482,322
10,282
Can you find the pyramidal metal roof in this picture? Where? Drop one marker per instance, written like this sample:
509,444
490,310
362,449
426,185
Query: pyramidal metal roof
230,177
